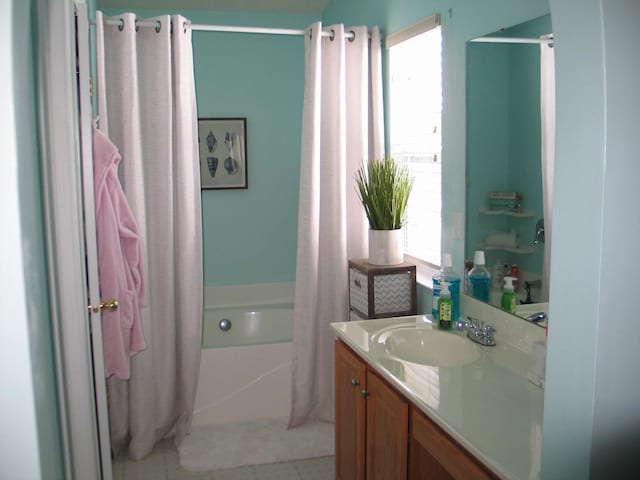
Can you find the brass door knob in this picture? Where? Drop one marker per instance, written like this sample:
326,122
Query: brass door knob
110,305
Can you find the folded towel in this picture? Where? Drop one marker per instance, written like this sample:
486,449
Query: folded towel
503,239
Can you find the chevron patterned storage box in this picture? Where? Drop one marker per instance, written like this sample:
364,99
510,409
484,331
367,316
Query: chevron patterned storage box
379,291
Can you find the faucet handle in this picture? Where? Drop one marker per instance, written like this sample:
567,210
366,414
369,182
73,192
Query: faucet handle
488,339
472,322
488,331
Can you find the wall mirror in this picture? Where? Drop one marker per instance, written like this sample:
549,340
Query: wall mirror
504,156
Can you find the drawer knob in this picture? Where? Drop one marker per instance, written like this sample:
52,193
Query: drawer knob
364,393
355,382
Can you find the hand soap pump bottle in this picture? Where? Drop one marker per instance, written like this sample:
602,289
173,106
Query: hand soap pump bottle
508,295
445,307
480,278
447,274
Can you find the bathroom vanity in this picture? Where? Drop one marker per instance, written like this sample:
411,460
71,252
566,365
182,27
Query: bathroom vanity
413,402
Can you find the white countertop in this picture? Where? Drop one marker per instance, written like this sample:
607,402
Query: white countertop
488,406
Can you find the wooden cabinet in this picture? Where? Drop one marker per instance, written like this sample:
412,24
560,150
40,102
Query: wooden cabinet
386,434
434,455
380,435
381,291
351,381
372,423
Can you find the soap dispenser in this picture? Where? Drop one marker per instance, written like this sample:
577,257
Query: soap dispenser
453,279
445,307
508,295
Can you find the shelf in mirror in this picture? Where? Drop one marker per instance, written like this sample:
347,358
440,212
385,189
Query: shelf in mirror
508,213
520,249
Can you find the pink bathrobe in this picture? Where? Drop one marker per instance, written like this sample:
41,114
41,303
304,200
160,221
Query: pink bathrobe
120,261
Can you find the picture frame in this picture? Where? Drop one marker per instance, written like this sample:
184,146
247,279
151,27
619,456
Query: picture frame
222,144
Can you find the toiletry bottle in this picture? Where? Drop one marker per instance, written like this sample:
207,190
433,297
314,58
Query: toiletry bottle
468,265
480,278
515,273
445,307
449,275
453,279
508,296
498,274
436,279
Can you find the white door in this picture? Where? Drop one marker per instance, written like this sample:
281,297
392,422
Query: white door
65,142
95,302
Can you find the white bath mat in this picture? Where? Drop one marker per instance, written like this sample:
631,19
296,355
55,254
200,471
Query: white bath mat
254,443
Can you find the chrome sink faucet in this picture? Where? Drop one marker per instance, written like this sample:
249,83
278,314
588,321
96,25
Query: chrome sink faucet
477,331
539,236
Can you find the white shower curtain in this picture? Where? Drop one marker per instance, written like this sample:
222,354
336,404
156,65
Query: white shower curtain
146,96
548,115
341,129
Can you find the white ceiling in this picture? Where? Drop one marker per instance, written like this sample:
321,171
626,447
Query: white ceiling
262,6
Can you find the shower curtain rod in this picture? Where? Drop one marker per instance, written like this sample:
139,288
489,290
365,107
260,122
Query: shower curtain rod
233,29
512,40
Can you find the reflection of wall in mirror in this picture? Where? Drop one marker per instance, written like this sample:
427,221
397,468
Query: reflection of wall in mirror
503,141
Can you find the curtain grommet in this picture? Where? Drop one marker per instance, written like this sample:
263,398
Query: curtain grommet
121,24
353,36
184,26
137,26
158,26
332,37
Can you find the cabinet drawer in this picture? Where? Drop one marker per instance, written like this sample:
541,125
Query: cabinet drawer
358,290
382,291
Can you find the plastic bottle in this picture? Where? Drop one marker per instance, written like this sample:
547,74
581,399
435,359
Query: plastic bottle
508,295
445,307
436,279
515,273
500,270
480,278
447,274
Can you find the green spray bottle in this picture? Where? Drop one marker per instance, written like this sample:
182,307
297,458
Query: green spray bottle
508,295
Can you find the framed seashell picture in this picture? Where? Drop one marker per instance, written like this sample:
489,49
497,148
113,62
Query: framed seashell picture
223,152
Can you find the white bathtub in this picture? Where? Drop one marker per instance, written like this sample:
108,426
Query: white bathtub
245,372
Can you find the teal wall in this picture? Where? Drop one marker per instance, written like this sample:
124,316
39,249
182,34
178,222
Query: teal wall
31,443
250,236
487,127
591,415
503,138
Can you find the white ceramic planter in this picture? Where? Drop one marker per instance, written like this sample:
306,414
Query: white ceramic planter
385,247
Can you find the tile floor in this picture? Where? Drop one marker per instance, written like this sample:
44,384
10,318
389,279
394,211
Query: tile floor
163,464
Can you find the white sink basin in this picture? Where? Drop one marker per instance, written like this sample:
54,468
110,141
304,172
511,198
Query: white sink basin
431,347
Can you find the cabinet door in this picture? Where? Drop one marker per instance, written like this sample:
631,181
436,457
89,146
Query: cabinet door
350,414
435,456
387,431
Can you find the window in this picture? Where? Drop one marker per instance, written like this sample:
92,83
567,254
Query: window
415,113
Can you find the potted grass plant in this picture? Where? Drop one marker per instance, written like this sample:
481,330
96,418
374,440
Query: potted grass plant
384,187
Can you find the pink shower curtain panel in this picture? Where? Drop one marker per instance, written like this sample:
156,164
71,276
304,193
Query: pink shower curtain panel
341,130
146,105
